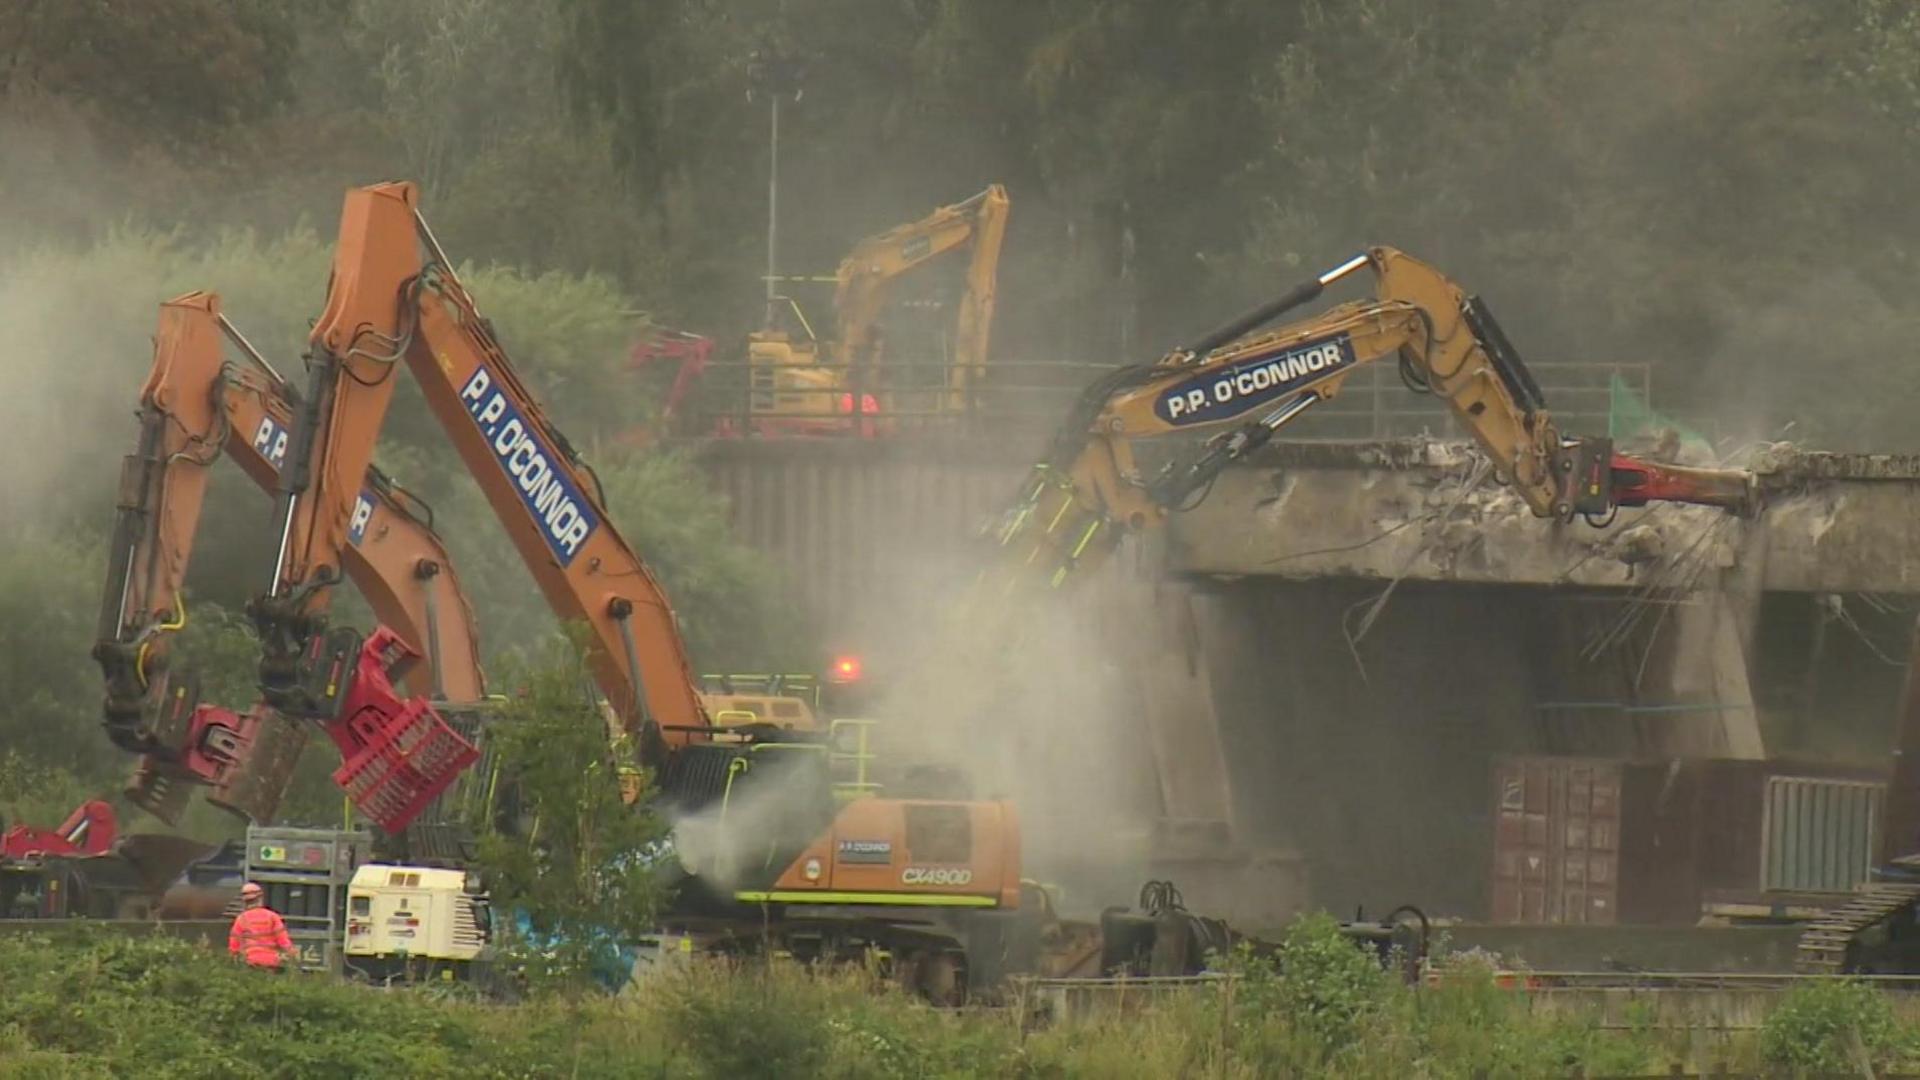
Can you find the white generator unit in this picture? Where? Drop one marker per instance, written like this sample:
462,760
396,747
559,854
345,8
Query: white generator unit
415,922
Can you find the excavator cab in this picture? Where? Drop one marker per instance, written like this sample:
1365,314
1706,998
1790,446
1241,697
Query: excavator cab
792,391
798,386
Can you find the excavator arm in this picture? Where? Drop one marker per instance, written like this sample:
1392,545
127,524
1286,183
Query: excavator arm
394,299
870,269
396,288
1076,504
196,405
353,355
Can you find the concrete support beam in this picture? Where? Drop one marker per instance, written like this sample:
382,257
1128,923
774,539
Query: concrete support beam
1153,626
1709,664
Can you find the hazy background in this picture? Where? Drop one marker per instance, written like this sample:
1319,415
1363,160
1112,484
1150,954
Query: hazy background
1720,188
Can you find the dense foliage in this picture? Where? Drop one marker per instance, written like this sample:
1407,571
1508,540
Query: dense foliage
1324,1012
69,1000
1827,1028
1706,186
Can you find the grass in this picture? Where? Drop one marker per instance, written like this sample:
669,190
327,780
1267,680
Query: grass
101,1005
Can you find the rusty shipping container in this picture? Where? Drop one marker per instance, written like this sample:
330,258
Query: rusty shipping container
1585,840
1556,851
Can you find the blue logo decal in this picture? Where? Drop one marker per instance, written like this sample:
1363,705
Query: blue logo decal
562,513
362,513
1225,394
270,439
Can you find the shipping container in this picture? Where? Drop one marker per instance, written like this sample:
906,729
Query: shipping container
1595,841
1556,841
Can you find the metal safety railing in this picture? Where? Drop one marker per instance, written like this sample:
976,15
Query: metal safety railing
854,763
1027,397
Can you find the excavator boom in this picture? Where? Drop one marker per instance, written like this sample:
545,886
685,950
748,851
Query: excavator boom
869,271
395,300
756,793
793,390
1079,501
195,407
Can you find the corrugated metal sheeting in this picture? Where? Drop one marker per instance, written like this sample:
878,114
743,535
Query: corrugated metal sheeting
861,527
1820,833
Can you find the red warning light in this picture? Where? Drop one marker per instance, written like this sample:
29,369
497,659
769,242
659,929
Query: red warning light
846,669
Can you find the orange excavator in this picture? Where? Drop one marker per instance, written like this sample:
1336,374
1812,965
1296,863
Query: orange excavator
198,405
772,818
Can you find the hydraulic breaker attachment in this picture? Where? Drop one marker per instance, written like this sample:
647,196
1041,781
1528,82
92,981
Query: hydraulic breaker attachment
1637,483
1595,479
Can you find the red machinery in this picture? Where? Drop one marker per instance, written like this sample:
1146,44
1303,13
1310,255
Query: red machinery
90,830
691,350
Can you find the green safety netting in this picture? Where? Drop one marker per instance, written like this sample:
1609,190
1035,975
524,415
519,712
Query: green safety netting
1629,417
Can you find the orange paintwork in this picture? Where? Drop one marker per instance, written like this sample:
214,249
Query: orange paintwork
391,285
994,865
212,406
443,341
177,414
360,336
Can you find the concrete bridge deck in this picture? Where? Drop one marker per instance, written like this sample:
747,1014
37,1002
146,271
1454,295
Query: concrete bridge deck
1832,523
1361,761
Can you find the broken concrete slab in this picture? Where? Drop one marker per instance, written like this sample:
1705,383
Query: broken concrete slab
1833,522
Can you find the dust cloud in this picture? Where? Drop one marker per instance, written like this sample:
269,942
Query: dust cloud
1022,697
69,363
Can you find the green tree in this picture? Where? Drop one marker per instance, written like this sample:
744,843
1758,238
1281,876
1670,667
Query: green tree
575,858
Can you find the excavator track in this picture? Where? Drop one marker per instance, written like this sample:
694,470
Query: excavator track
1825,942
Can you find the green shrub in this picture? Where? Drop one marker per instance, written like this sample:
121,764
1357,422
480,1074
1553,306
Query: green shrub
89,1003
1828,1025
1471,1025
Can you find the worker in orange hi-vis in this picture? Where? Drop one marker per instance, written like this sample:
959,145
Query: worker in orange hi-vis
259,935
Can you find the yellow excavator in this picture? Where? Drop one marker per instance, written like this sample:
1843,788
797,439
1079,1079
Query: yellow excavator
798,385
1089,491
1220,398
